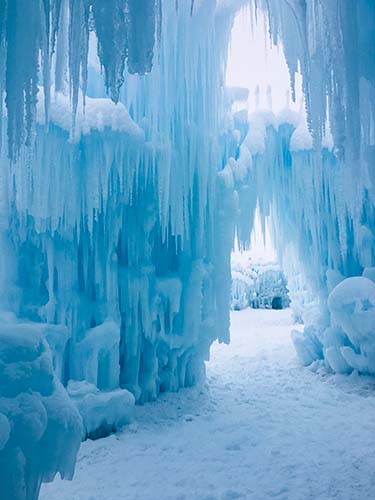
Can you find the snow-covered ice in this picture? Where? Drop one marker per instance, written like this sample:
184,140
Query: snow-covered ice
261,428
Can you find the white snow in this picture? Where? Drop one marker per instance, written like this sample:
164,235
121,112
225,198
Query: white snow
92,114
288,116
258,124
262,428
301,139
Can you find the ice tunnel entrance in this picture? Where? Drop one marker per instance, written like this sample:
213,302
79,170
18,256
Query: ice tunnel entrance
258,280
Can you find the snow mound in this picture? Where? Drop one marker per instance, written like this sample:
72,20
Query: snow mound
288,117
92,114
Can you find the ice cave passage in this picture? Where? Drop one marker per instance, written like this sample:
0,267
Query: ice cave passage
127,169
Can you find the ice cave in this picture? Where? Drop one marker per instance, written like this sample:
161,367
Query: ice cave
130,168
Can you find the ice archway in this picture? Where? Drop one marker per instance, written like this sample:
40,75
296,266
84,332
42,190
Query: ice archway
117,221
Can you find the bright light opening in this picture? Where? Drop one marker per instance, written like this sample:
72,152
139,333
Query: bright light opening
254,62
258,65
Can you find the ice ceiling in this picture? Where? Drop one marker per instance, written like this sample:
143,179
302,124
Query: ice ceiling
118,214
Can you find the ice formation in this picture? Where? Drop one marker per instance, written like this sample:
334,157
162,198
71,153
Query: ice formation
40,429
102,412
124,177
258,285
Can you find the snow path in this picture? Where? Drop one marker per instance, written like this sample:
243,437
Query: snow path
262,428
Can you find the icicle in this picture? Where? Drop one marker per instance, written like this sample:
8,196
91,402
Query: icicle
62,41
46,58
78,51
141,35
111,26
22,34
56,13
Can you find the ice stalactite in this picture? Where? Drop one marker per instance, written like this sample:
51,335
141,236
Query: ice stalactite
332,43
22,41
50,32
110,22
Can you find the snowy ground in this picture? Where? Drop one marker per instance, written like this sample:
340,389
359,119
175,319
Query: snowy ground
262,428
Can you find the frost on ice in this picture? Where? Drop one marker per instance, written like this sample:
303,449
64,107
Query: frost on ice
124,177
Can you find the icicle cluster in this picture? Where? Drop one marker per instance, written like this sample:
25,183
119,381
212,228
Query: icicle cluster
332,44
120,221
56,34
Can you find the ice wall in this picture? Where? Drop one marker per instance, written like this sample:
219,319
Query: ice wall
117,222
116,227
